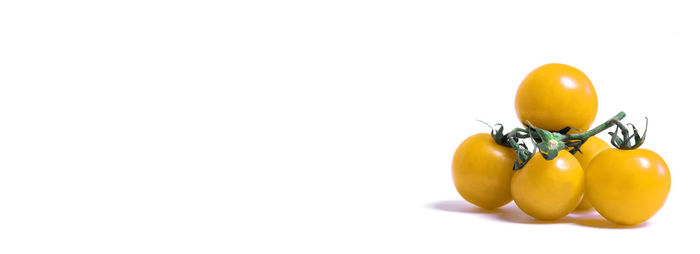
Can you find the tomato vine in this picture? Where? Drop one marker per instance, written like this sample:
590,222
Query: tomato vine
549,143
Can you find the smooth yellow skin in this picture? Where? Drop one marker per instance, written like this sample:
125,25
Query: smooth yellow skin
548,189
481,170
627,186
555,96
589,150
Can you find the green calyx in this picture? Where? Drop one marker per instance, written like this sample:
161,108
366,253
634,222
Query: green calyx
626,141
549,143
513,140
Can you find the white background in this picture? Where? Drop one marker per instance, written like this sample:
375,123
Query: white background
315,126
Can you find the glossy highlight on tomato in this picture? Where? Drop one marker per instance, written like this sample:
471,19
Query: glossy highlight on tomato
548,189
627,186
555,96
482,169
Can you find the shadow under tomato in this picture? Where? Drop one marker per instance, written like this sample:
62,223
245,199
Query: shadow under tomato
461,206
600,222
511,213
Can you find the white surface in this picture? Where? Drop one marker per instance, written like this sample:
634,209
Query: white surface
313,126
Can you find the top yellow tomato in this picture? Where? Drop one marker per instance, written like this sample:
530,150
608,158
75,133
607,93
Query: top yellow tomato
555,96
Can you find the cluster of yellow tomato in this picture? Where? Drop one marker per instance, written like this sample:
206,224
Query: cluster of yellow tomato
625,186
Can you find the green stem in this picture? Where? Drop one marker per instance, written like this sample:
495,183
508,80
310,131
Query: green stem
598,129
523,155
550,143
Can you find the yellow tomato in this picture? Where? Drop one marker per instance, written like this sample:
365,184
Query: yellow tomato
589,150
627,186
481,170
555,96
548,189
